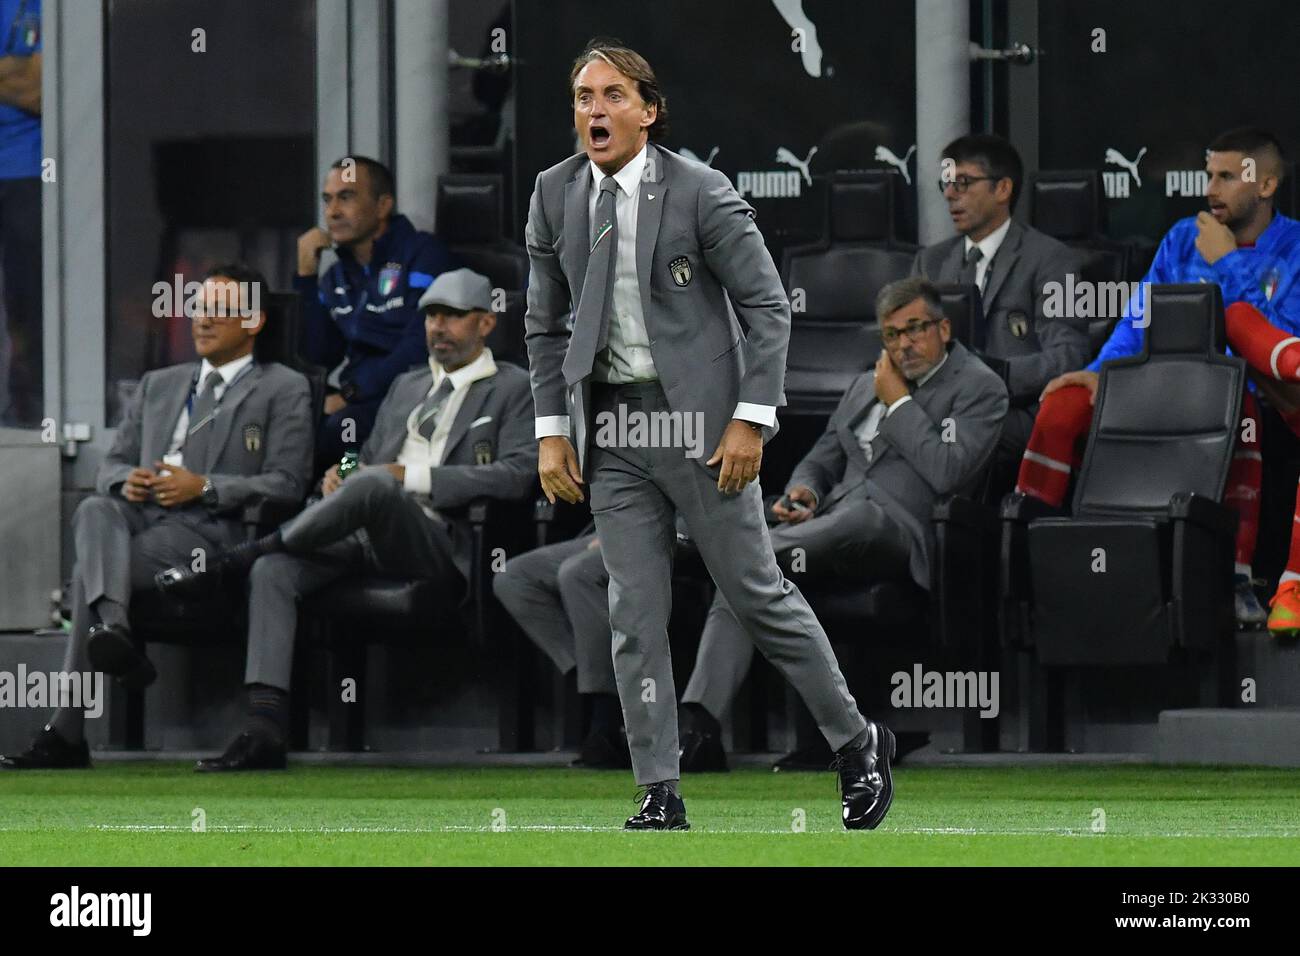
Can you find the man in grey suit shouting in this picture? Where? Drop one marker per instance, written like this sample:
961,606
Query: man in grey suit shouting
199,441
451,430
649,249
921,425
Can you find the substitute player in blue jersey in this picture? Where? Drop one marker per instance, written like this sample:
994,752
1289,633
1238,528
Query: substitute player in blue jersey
1253,253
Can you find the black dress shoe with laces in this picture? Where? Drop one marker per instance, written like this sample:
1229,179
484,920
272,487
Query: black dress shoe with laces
49,751
661,809
249,752
866,787
186,583
702,752
111,649
604,750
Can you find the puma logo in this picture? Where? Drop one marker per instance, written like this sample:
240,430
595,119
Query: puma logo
1115,158
885,155
691,154
783,155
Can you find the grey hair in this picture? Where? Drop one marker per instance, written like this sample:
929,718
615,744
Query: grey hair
899,293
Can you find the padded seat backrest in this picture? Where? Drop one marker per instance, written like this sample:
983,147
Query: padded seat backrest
1165,421
841,282
1067,203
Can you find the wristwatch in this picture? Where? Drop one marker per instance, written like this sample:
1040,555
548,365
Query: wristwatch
209,493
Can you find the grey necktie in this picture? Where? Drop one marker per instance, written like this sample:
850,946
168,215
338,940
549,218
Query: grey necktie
194,453
432,408
591,322
968,270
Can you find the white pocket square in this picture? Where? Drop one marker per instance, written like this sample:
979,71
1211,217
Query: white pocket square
480,421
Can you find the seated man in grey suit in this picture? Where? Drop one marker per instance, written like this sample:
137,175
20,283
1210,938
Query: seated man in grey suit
457,428
198,441
1011,263
558,594
921,425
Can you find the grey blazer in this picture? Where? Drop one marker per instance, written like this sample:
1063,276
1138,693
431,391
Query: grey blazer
934,445
689,215
262,434
1036,348
494,424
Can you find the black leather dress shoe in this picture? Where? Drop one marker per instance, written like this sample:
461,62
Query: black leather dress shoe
112,650
49,751
184,582
248,752
661,809
604,750
815,757
702,752
866,787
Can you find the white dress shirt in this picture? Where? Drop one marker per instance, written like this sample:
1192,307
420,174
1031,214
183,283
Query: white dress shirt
626,356
229,372
989,246
419,456
869,428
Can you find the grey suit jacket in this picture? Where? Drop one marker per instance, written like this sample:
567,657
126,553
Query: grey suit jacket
1036,348
689,214
934,445
495,423
261,447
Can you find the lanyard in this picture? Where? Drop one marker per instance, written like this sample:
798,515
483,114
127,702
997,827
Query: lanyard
189,402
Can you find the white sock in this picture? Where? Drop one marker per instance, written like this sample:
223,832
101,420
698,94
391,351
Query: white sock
1243,570
1288,576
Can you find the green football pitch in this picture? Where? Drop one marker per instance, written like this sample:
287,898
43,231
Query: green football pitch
143,814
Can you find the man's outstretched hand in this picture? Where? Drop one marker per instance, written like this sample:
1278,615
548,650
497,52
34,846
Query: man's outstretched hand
557,467
741,454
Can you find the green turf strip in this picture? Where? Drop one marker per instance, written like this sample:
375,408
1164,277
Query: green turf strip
141,814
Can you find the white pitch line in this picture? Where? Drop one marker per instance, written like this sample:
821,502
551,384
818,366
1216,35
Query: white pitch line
577,828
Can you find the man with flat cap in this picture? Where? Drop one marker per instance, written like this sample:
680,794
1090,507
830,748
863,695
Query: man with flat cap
457,428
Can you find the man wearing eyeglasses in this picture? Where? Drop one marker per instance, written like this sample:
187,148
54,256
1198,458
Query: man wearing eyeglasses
857,508
1011,263
199,441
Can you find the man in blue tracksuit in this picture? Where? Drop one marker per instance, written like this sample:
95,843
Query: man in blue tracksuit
361,318
21,372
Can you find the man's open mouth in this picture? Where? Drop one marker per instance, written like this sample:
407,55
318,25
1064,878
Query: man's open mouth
599,134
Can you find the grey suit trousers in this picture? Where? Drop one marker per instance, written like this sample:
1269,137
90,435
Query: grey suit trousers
856,541
559,596
120,545
370,525
635,492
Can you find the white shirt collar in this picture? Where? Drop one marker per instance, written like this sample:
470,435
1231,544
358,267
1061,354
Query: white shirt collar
990,244
482,367
227,371
930,374
628,176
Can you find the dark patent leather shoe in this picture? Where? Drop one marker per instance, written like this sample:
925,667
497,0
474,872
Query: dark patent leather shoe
49,751
604,751
866,787
661,809
702,752
248,752
184,582
111,649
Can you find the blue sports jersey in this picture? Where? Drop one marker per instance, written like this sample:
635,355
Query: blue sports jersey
1267,275
20,131
370,314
